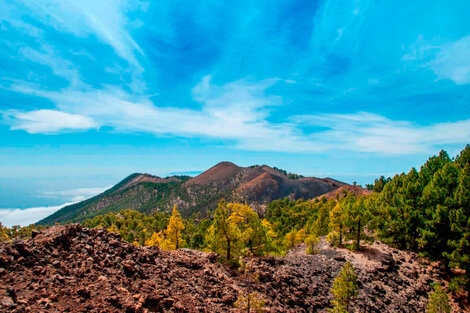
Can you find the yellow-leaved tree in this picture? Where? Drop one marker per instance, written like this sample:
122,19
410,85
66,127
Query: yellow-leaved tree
222,235
157,239
293,238
113,229
250,230
173,231
3,233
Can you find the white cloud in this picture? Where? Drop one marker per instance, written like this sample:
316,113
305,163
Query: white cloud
234,111
367,132
76,194
237,112
25,217
48,121
453,61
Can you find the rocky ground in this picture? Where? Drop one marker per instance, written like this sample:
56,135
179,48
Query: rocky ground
75,269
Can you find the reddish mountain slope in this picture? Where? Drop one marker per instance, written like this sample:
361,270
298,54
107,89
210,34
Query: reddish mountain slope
218,174
357,190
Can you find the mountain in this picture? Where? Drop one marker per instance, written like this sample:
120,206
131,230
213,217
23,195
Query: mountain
257,185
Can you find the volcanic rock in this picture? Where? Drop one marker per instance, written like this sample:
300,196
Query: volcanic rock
75,269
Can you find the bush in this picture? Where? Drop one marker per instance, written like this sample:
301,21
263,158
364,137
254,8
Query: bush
251,302
311,241
438,301
456,284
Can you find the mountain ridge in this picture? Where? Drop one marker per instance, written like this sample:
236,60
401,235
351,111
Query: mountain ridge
257,184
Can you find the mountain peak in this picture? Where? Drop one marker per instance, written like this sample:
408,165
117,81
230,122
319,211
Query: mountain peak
226,163
217,174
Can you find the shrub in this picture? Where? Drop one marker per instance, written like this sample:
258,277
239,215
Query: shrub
251,302
438,301
311,241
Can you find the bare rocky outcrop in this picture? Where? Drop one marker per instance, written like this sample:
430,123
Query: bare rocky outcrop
75,269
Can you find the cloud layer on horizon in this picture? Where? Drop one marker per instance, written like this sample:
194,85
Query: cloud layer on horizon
25,217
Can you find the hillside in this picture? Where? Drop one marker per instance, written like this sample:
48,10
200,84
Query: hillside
147,193
346,189
141,192
75,269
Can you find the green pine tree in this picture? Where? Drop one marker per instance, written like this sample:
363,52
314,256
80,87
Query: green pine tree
344,289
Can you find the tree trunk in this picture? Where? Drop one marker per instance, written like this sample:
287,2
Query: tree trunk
340,234
358,238
228,248
177,241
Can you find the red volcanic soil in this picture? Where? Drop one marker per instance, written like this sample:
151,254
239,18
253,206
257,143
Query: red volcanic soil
356,190
262,183
217,174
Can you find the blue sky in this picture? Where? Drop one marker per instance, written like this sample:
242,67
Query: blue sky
91,91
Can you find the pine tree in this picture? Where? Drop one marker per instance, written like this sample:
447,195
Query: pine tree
438,301
459,217
320,226
293,238
174,239
311,241
344,289
356,217
438,200
270,236
250,231
337,224
222,235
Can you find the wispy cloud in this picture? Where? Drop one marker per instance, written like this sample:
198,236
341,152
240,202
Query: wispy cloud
453,61
367,132
48,121
24,217
106,19
50,58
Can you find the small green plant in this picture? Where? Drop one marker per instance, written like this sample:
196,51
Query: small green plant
344,289
456,284
246,268
311,241
438,301
251,302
